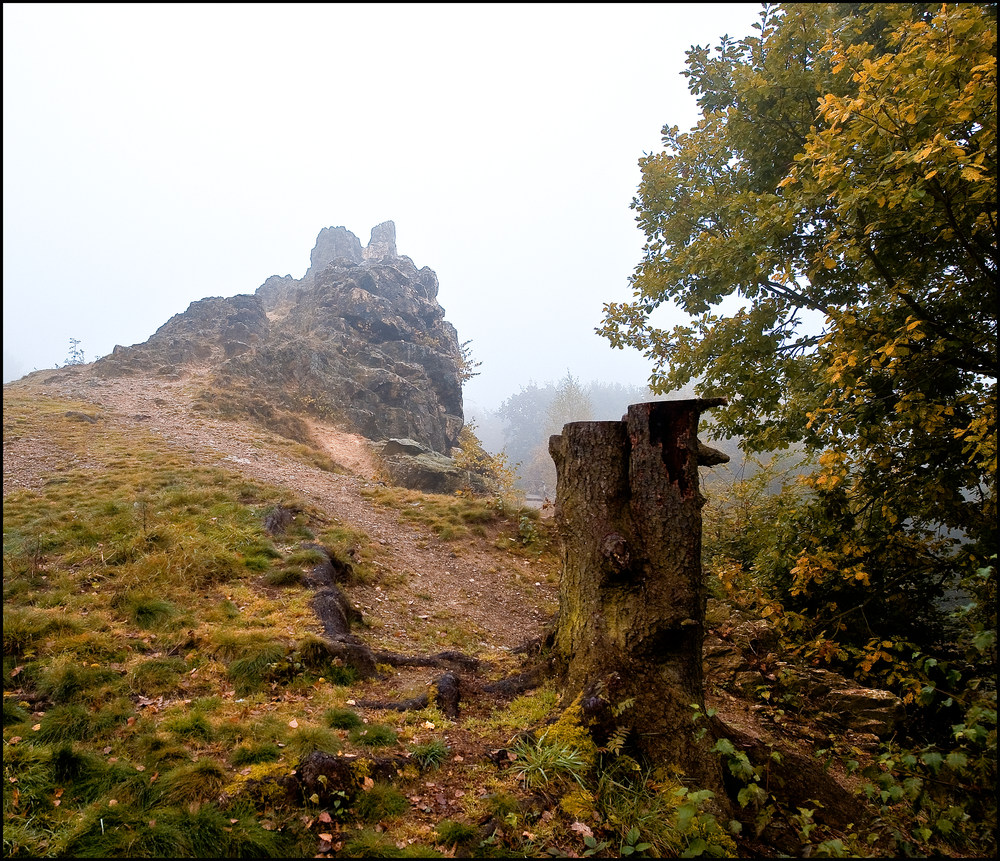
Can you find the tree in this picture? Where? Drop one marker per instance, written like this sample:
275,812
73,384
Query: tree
570,404
830,228
466,363
530,417
75,355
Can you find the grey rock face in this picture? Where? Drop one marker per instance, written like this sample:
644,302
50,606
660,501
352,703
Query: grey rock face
413,465
207,332
333,243
382,242
360,338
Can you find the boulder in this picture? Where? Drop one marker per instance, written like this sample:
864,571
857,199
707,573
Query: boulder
743,655
407,463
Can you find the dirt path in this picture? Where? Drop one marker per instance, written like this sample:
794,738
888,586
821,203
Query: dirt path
495,599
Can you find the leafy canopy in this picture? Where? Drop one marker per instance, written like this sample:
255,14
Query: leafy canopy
829,228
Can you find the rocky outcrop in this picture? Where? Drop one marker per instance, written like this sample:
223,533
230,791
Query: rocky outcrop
360,338
743,656
333,244
210,332
409,464
382,242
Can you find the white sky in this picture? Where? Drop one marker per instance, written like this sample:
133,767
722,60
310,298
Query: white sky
158,154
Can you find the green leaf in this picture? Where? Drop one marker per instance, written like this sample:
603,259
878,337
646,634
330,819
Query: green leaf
932,759
956,760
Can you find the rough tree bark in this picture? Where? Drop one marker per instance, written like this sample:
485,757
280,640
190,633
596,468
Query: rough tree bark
632,598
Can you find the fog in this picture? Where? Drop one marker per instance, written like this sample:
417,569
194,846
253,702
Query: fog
158,154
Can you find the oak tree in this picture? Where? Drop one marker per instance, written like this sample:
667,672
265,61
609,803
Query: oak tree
829,228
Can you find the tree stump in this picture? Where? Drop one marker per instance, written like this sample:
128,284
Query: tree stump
632,597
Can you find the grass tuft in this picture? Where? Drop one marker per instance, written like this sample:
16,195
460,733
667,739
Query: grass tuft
430,754
382,801
452,833
342,718
374,735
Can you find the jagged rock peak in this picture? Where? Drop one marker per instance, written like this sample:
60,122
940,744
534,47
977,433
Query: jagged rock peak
338,244
382,242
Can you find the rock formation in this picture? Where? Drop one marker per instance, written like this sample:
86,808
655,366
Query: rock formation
360,338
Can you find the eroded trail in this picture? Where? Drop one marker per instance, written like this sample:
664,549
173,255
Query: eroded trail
432,587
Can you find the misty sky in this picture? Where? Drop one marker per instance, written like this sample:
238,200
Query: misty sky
158,154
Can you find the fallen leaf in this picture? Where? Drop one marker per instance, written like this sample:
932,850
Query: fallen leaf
583,830
14,740
325,818
36,727
293,723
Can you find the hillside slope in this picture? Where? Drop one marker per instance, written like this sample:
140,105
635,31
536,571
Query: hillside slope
168,687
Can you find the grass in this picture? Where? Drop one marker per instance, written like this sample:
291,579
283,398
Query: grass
162,670
430,754
374,735
143,644
342,718
515,529
452,833
382,801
